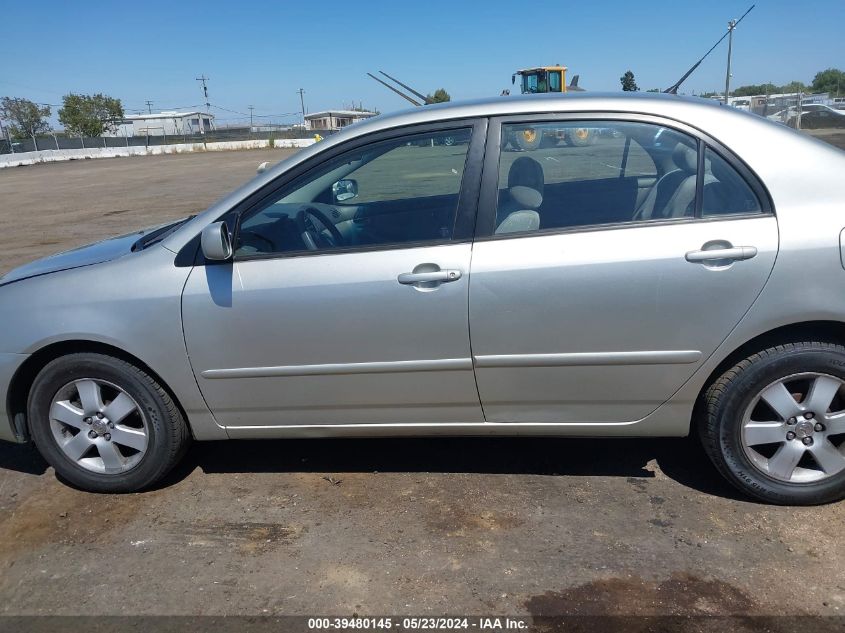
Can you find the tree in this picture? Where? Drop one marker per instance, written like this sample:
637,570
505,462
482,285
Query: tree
654,90
628,83
831,80
793,86
440,96
90,115
26,118
755,89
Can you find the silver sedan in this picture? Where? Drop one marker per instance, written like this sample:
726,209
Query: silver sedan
464,269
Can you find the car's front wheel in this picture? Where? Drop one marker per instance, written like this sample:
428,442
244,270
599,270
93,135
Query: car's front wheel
774,424
104,424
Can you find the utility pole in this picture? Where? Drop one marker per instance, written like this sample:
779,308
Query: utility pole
302,102
731,27
149,106
203,79
251,108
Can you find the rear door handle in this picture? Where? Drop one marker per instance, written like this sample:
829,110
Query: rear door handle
442,276
734,253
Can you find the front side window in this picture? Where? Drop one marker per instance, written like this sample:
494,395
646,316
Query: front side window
555,175
394,192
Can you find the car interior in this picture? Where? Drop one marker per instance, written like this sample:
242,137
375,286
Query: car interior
530,201
327,211
416,200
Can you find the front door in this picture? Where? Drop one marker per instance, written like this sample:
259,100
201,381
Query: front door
347,300
597,308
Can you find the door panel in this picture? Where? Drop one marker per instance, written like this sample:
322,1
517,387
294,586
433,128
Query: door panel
333,339
314,325
605,325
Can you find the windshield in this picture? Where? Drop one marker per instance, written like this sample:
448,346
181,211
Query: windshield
534,82
156,236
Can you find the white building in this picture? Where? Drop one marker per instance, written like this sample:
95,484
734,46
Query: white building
165,124
333,120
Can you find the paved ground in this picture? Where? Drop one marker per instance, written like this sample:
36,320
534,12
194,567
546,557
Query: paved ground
380,526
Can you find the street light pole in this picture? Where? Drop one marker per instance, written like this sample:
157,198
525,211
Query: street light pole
731,27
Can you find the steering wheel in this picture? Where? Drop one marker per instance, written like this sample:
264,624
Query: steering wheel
314,238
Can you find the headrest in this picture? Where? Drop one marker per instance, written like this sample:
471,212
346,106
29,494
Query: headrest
686,158
520,222
720,169
525,197
526,172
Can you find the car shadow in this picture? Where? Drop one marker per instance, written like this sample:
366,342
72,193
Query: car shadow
22,458
681,459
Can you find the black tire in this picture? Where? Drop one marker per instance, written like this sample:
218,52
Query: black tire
167,433
725,401
527,139
581,137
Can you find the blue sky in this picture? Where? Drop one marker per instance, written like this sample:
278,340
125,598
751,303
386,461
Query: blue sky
260,53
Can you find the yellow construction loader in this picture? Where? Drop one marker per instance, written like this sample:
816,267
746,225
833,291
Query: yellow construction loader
541,80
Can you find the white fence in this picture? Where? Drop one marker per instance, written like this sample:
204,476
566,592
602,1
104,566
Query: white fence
54,155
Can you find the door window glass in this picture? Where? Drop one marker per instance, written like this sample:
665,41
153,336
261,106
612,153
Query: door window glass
398,191
725,191
566,174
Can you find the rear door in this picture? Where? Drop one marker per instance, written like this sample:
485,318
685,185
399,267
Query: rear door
600,313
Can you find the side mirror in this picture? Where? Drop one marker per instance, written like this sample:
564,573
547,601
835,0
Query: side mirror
216,243
263,167
345,190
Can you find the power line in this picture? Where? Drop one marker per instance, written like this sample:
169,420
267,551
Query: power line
260,116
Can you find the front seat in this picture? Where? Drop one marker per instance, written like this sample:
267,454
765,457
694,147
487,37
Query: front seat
673,196
518,205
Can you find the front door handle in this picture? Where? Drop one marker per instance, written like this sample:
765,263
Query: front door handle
438,276
732,253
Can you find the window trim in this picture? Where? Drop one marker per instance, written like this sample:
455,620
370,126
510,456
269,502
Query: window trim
488,199
465,215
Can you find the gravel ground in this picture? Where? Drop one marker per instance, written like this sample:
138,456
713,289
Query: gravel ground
521,526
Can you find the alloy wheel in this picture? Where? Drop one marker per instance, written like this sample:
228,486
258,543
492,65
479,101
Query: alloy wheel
99,426
794,429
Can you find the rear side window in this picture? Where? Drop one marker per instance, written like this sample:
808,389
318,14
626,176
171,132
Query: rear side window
725,191
563,174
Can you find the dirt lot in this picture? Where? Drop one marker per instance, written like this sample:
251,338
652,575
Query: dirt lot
473,526
56,206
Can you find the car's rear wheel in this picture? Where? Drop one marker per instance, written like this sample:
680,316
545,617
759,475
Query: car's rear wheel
774,424
104,424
